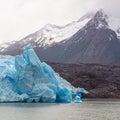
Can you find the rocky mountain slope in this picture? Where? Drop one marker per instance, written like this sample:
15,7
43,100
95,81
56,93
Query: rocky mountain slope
102,81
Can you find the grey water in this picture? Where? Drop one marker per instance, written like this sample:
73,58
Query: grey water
96,109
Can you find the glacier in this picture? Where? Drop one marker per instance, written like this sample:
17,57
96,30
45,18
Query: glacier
24,78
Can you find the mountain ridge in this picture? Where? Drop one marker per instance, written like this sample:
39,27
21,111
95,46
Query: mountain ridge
88,40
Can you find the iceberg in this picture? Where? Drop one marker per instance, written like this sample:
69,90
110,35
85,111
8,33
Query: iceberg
77,99
24,78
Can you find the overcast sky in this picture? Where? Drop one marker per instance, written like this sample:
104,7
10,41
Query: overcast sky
18,18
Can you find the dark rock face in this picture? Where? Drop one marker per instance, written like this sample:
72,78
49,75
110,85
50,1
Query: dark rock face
94,47
102,81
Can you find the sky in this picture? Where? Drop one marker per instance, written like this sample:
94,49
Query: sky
19,18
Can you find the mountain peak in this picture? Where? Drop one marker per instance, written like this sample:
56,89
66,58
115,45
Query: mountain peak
101,15
100,20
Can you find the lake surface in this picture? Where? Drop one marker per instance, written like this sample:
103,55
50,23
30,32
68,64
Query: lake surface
88,110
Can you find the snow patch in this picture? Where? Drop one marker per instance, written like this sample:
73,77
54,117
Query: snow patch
51,34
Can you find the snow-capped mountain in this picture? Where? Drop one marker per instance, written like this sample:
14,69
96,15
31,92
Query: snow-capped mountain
91,39
51,34
96,42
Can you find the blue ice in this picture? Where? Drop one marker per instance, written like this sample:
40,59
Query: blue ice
25,78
